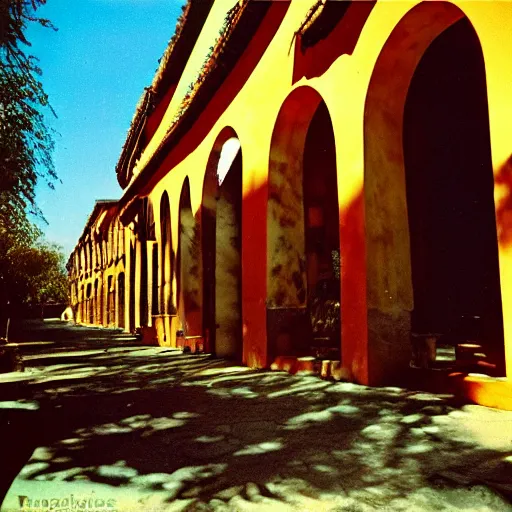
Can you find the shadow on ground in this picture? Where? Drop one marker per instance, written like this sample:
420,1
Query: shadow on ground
206,435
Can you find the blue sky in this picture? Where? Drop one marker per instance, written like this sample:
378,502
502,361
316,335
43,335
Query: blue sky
95,68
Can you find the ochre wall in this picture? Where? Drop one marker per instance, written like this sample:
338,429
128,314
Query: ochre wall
100,272
376,294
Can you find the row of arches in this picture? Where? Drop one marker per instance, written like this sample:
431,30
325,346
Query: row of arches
200,283
430,228
99,250
97,302
413,252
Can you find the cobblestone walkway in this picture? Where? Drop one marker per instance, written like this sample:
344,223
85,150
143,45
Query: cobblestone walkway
96,420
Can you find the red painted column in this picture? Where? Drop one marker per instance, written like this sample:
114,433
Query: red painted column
354,319
254,277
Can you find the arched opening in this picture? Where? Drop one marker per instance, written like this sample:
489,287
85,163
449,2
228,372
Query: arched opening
189,267
431,233
99,258
144,305
110,302
81,307
82,262
166,257
221,242
110,244
303,266
154,282
133,278
118,247
90,306
97,303
449,179
120,300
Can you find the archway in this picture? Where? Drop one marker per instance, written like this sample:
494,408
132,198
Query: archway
166,305
90,306
189,267
81,307
143,302
97,303
221,244
133,279
432,251
303,262
120,301
154,281
111,315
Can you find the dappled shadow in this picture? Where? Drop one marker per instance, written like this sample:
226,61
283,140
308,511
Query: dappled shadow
503,180
187,427
63,334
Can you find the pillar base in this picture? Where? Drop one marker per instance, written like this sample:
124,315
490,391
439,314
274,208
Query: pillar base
171,325
389,347
166,326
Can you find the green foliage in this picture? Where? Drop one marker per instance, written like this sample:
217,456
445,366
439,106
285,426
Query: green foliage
212,57
26,144
30,269
44,275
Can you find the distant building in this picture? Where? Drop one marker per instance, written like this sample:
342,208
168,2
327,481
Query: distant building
96,269
328,178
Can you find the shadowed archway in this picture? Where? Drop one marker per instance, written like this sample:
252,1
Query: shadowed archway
81,307
166,302
133,279
111,303
432,254
303,253
189,283
90,304
120,301
221,245
98,303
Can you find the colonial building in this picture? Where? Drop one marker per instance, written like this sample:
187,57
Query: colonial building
319,178
96,269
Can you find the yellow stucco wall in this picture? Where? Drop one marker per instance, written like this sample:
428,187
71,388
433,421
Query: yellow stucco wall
111,266
344,88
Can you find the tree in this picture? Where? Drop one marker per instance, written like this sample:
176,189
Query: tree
40,274
16,237
36,276
26,144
